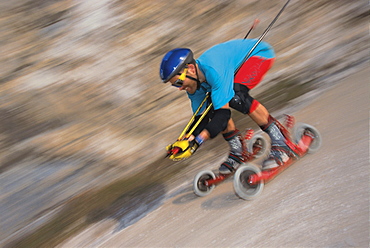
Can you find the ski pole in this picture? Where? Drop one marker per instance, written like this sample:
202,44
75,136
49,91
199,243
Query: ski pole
256,21
193,118
261,37
175,150
200,119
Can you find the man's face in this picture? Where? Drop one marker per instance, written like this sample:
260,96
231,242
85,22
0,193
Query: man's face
188,84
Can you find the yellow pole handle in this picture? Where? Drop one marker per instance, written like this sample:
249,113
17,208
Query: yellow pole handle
193,117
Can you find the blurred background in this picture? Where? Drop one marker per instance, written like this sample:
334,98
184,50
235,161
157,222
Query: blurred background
83,110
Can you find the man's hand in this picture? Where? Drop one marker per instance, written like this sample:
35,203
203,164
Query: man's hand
182,149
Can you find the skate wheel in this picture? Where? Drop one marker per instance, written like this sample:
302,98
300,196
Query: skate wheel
259,146
199,186
242,187
298,131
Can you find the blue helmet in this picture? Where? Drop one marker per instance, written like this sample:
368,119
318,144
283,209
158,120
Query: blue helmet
174,61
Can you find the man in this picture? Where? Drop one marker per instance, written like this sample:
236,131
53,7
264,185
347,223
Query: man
224,72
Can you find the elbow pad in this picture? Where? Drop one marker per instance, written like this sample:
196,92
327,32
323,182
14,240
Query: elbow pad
219,122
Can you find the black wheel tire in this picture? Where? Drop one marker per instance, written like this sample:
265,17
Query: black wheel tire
242,188
298,131
199,188
259,139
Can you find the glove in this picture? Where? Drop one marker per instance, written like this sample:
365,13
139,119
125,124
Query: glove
183,149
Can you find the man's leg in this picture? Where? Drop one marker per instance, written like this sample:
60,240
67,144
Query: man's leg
230,126
237,148
280,152
248,77
260,115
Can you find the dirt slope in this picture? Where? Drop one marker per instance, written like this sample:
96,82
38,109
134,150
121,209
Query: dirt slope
322,201
82,106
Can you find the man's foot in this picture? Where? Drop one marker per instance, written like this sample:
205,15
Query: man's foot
231,164
280,152
237,150
278,156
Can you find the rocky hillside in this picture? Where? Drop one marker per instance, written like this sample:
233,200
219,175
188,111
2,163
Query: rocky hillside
81,103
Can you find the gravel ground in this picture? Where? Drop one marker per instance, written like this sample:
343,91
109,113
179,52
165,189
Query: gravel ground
321,201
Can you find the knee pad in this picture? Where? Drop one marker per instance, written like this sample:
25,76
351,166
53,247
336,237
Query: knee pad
242,101
245,105
218,122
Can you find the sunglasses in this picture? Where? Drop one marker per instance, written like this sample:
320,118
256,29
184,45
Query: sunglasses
180,81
